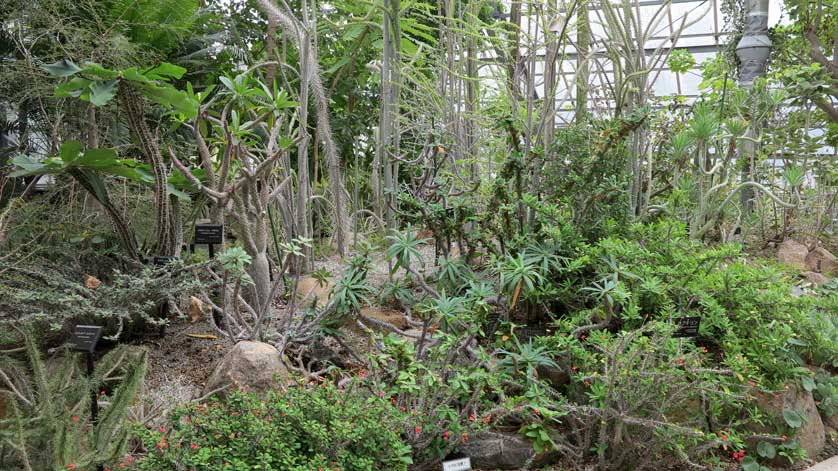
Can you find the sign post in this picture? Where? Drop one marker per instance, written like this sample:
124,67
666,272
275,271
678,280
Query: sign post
209,234
84,339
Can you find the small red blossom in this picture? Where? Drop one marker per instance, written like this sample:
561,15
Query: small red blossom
574,368
472,417
71,466
381,394
362,374
784,438
681,361
417,429
195,447
75,418
465,437
162,430
445,435
583,337
587,383
487,419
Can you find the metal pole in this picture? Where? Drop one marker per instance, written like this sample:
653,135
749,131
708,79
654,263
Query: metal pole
94,399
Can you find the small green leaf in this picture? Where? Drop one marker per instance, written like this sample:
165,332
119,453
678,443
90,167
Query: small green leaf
70,151
808,383
28,167
766,450
97,158
793,418
101,92
92,68
164,71
62,68
73,88
749,464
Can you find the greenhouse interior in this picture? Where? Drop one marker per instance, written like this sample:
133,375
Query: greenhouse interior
418,235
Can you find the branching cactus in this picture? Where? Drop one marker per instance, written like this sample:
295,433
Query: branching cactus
48,424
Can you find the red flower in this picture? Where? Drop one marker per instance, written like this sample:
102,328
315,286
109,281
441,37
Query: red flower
784,438
445,435
381,394
472,417
487,419
195,447
418,429
71,466
583,337
587,383
465,437
680,361
362,374
574,368
75,419
162,430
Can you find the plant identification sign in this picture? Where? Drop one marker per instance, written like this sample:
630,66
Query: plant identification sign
687,327
209,233
459,464
85,338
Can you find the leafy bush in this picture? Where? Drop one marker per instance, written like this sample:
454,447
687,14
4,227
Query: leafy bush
300,430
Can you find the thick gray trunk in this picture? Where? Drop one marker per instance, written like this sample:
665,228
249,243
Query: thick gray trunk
260,272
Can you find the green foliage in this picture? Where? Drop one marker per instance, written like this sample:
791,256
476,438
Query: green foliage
72,157
98,85
680,61
300,430
49,425
404,249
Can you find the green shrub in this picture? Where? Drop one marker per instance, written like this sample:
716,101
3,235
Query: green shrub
300,430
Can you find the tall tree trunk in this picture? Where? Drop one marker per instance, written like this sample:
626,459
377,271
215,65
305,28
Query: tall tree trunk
163,244
583,45
753,50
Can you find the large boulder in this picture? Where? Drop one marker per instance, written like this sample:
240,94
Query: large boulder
252,366
821,261
312,292
831,421
792,253
816,278
811,435
493,450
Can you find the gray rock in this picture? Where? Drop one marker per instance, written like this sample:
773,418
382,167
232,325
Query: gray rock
792,253
816,278
811,435
493,450
252,366
821,261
